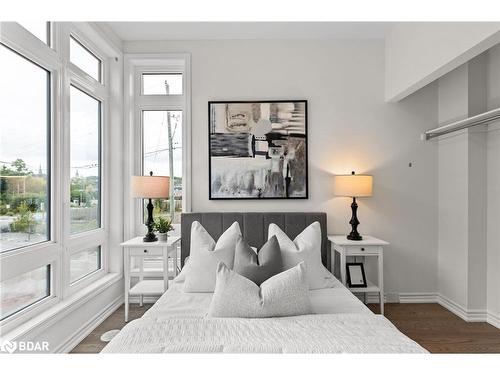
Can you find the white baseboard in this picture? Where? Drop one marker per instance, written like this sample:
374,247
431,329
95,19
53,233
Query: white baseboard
493,319
92,324
400,297
374,297
418,297
469,315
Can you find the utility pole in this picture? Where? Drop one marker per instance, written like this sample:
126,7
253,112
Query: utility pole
170,159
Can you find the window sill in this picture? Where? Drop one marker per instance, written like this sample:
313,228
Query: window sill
62,308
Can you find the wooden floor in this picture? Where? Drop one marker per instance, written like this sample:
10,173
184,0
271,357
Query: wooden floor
429,324
93,344
440,331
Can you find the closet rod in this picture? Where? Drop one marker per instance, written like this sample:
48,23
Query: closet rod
480,119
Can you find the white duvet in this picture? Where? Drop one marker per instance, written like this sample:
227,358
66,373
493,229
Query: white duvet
341,324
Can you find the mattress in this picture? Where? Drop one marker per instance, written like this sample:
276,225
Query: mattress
341,323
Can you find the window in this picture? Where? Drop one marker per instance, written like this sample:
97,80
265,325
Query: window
162,84
85,161
24,290
84,263
84,59
151,114
24,152
49,249
162,155
39,29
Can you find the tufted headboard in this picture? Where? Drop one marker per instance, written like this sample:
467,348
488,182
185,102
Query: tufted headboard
254,227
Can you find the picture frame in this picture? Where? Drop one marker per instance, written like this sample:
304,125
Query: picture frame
258,149
356,275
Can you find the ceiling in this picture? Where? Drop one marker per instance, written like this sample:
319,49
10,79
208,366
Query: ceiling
130,31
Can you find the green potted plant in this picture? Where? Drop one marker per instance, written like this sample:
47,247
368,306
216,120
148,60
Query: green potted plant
163,226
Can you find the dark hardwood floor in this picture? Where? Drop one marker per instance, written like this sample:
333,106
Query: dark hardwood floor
429,324
440,331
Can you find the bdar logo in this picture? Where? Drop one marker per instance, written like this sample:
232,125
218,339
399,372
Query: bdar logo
8,346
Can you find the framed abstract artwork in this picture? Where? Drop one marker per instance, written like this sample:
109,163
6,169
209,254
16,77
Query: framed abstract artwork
258,149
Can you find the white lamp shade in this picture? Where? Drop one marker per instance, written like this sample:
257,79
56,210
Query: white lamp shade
150,186
353,185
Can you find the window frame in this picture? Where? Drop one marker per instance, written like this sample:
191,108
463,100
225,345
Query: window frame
100,151
141,93
24,259
135,103
144,172
49,129
56,252
48,33
71,283
77,37
82,81
49,272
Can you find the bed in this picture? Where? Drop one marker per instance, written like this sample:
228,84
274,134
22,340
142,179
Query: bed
341,323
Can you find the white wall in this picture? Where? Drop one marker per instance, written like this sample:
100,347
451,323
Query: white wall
453,90
493,189
469,183
493,214
418,53
350,128
453,218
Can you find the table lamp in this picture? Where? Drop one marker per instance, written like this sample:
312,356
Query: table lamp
150,187
355,186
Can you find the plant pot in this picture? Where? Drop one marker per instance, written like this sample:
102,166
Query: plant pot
163,237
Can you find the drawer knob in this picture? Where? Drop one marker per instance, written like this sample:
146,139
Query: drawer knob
362,249
145,251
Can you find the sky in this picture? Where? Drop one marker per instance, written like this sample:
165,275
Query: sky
84,133
23,130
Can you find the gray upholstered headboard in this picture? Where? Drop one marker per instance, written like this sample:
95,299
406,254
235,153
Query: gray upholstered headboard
254,227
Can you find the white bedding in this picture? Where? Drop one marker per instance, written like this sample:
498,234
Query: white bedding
341,323
324,301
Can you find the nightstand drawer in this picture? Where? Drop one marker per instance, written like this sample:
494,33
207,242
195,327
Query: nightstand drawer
362,250
146,251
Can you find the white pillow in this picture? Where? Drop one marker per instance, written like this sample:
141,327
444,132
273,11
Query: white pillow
284,294
205,254
306,247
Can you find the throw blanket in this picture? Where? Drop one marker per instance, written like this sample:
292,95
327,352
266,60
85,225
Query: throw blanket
331,333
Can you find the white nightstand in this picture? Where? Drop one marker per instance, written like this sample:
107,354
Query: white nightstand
136,247
368,247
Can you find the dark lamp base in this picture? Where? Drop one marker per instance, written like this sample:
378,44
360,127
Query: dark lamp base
354,237
150,237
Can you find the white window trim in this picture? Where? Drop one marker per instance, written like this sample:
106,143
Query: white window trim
57,251
134,104
100,91
18,261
